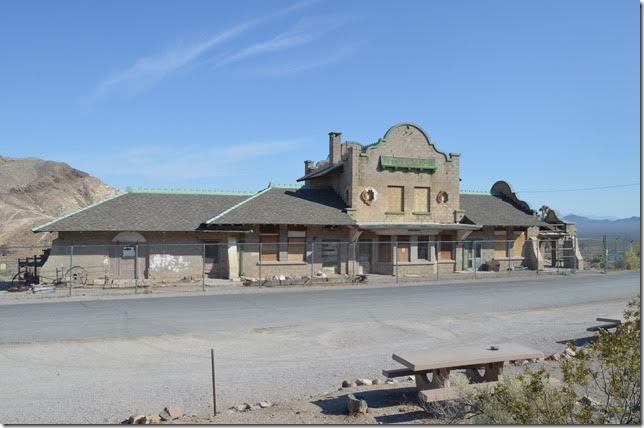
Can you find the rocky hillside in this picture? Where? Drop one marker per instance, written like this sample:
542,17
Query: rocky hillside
34,191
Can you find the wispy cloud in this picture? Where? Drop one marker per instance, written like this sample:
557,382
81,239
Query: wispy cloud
149,70
293,67
305,31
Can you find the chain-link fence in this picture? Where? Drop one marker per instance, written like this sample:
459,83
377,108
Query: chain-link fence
147,267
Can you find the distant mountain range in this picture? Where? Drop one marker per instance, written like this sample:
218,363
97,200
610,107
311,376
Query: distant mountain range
625,228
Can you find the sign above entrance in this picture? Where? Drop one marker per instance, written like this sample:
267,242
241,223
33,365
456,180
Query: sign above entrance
416,164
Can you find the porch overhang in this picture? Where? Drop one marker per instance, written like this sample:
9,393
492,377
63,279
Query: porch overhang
397,227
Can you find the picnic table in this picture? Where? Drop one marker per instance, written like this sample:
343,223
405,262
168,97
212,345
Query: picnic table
440,362
610,323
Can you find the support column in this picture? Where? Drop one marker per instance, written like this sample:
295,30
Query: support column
233,260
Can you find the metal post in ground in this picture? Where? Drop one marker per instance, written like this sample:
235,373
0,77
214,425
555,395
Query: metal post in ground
214,395
507,252
396,258
353,257
538,253
312,260
474,257
136,267
437,251
71,265
605,249
260,263
203,267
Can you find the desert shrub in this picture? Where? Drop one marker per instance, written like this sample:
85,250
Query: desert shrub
601,384
633,257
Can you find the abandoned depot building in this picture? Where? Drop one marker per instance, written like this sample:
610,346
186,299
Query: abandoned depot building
392,207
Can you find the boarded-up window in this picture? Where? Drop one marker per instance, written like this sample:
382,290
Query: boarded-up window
384,249
396,199
296,243
402,249
446,247
268,238
423,247
519,240
421,199
500,244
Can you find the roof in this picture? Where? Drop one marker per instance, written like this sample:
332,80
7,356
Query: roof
146,212
323,172
304,205
489,210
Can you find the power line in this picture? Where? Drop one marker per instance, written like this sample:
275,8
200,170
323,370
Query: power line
579,189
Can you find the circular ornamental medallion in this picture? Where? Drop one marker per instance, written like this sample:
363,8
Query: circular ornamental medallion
368,195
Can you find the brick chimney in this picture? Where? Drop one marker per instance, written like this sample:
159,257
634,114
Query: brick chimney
308,166
335,145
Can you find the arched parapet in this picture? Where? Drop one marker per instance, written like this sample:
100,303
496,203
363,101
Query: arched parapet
503,190
129,237
405,128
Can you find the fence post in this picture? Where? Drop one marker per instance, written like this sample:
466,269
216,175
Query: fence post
312,260
437,251
605,248
353,251
71,265
509,258
203,267
538,253
396,257
474,257
259,259
136,267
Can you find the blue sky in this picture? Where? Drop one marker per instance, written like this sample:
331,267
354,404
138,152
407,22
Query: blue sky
232,95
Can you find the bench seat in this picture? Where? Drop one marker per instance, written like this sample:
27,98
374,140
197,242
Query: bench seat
392,373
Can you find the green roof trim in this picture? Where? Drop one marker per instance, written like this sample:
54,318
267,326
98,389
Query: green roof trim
284,185
188,191
419,164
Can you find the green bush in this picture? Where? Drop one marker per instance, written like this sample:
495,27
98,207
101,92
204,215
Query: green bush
633,257
601,384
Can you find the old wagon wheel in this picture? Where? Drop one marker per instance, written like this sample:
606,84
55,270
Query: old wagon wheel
76,276
18,282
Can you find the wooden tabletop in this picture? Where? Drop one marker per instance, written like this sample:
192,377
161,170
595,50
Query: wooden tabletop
465,356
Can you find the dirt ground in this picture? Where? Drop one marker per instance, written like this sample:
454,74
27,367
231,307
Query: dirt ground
395,403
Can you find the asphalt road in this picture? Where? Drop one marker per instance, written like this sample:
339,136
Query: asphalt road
189,314
99,361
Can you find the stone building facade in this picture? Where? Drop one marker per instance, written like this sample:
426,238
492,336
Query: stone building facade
392,207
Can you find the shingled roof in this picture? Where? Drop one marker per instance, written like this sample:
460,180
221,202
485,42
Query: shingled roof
146,212
489,210
305,205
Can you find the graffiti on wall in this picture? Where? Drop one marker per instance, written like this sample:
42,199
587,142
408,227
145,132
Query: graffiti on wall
168,262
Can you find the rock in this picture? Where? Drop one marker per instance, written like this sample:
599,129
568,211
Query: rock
554,357
361,382
265,404
356,405
569,352
377,382
136,420
152,420
390,381
516,362
170,413
254,407
588,401
348,384
241,407
410,378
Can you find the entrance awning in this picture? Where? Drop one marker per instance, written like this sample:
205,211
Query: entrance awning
397,227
